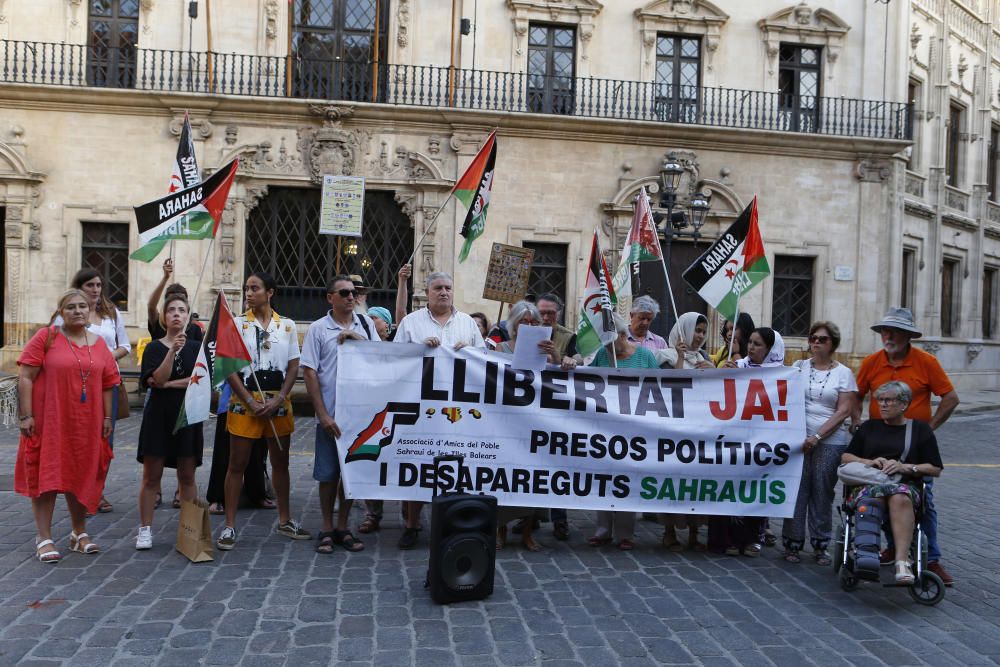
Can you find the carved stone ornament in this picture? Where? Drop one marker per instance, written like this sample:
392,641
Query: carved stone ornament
872,171
403,23
258,159
803,24
35,237
434,144
963,66
3,17
331,149
232,132
271,19
201,128
915,36
674,16
972,351
930,346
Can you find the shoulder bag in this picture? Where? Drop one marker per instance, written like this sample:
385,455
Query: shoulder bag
123,406
856,473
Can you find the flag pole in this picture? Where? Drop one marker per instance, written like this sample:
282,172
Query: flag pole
197,287
270,421
670,290
733,337
427,231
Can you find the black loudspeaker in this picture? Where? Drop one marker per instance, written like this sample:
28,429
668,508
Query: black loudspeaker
463,547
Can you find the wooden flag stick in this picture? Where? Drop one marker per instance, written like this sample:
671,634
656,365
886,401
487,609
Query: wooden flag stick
427,231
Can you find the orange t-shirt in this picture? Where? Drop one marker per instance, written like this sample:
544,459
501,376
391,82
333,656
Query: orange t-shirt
921,372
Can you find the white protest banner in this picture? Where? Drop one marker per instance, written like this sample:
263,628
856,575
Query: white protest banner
722,442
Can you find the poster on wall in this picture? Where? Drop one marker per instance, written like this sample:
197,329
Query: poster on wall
341,211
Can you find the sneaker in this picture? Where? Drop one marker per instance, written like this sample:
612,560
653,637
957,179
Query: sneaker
294,531
887,556
408,539
145,539
227,540
939,570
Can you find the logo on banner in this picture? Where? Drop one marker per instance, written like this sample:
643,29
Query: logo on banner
379,433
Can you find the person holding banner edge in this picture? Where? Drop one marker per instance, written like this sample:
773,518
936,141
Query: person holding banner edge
167,365
319,362
259,406
438,323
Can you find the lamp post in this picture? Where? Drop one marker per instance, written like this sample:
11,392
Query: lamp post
681,214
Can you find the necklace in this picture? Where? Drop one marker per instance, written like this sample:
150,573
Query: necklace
83,376
812,380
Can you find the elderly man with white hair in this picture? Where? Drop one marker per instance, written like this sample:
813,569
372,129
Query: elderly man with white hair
438,323
644,310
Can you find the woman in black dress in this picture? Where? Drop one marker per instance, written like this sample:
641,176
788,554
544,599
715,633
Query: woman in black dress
167,365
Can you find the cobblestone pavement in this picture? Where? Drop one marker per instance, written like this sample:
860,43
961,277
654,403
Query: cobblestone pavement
272,601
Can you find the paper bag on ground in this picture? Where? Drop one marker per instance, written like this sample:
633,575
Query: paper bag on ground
194,532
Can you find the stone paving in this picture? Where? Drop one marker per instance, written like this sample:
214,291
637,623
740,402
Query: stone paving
272,601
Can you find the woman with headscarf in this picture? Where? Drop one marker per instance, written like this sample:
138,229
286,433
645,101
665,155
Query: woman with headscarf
685,339
741,335
744,535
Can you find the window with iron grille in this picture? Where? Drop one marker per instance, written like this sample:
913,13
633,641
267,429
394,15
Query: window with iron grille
338,53
551,68
283,239
793,295
798,86
990,302
112,42
104,247
949,296
913,94
678,64
548,270
953,156
993,163
909,278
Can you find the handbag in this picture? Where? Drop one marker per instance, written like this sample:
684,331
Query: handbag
194,532
857,473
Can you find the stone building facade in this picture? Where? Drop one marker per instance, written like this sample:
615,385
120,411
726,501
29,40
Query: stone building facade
803,105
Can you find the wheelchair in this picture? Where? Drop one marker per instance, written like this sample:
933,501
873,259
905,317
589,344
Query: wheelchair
857,545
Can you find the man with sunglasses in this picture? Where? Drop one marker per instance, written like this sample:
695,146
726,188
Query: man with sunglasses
439,323
319,362
922,373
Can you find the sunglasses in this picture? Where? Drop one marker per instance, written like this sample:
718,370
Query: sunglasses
819,339
344,293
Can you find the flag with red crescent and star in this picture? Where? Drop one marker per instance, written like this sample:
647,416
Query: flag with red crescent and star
596,327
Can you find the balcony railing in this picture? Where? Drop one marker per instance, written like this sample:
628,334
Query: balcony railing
424,85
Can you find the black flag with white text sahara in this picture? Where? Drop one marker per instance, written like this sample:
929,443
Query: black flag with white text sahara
191,213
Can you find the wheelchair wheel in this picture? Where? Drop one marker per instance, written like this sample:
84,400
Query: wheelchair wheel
848,581
838,555
928,589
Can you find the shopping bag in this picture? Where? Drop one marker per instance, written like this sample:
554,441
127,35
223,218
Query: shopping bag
194,532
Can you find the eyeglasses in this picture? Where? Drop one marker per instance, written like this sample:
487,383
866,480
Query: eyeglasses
886,399
344,293
819,339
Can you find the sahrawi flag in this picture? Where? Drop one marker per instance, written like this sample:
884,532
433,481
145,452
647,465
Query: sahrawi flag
185,175
732,265
473,190
191,213
222,353
642,245
596,328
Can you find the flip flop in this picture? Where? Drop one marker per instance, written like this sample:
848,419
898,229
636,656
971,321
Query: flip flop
596,541
216,508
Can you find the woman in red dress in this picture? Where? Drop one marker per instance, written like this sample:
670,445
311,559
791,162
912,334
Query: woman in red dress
66,380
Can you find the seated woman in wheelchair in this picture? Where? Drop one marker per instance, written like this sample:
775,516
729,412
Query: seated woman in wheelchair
880,443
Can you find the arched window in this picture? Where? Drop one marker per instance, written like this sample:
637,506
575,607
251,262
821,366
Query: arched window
282,238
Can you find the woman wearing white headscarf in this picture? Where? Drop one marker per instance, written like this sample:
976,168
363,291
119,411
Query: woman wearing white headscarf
686,339
765,348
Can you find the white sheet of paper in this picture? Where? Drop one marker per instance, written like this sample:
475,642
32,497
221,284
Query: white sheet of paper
527,356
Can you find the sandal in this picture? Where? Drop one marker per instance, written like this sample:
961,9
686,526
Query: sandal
671,542
752,550
345,539
792,556
51,556
823,558
533,546
177,500
904,575
104,506
75,544
325,544
369,525
597,541
267,504
216,508
732,551
770,539
626,545
158,501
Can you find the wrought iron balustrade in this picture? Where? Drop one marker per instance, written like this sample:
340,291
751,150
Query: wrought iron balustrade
428,85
